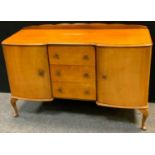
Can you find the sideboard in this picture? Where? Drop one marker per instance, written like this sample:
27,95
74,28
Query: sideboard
106,63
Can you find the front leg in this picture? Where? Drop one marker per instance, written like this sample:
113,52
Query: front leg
145,116
13,103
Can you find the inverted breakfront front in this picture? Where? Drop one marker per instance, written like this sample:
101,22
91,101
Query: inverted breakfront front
106,63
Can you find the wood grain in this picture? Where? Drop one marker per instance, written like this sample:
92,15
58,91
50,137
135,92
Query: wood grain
71,55
28,71
68,90
123,76
73,71
115,35
86,26
107,63
69,73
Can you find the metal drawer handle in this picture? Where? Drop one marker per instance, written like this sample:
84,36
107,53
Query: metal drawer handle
60,90
85,57
56,56
86,92
86,75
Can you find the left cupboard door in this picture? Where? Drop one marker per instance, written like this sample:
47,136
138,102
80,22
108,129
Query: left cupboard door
28,72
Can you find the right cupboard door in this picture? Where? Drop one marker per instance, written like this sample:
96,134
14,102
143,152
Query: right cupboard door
123,76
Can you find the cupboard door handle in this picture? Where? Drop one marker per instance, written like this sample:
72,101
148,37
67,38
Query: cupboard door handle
60,90
56,56
41,72
58,73
85,57
104,77
86,75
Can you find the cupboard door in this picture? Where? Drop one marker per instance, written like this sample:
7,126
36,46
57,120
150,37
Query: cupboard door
123,76
28,71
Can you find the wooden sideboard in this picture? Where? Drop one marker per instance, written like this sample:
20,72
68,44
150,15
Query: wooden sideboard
106,63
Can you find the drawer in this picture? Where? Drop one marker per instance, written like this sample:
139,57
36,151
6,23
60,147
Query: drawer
68,73
71,55
74,90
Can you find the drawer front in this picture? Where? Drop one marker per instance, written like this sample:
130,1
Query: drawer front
74,90
64,73
71,55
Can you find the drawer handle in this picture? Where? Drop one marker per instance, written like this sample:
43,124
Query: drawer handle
86,75
85,57
56,56
86,92
58,73
60,90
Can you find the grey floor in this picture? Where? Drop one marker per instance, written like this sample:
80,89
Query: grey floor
67,116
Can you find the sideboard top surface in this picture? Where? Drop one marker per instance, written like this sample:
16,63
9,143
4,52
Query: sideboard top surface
82,34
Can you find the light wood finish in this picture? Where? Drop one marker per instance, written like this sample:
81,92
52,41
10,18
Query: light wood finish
122,76
145,114
107,63
86,26
115,35
72,55
28,71
69,73
35,100
73,71
121,106
14,106
73,90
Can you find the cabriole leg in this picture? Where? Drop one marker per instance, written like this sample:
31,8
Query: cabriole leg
13,103
145,116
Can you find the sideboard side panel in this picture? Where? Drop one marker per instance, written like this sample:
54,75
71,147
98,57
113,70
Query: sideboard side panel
28,71
123,76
